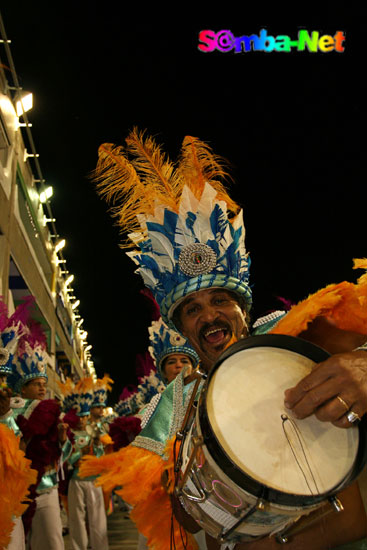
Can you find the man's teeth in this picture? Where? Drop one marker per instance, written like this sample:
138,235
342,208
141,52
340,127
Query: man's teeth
212,331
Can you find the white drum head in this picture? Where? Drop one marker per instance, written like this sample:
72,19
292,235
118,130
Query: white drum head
245,404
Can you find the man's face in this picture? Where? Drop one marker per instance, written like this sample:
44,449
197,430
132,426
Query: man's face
96,412
83,420
35,389
211,319
173,365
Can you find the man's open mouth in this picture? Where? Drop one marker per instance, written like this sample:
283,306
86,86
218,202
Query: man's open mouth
215,335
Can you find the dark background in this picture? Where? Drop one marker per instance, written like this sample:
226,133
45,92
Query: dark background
289,123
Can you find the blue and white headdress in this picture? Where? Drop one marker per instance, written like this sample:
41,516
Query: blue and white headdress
166,341
78,396
30,361
133,398
67,391
9,338
31,364
188,232
131,402
11,330
101,387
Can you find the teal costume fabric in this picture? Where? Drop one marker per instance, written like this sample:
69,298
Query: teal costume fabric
82,439
167,417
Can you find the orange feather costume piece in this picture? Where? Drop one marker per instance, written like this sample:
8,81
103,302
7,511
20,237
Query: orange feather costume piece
16,476
139,472
345,304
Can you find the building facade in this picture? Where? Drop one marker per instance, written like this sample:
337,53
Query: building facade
31,260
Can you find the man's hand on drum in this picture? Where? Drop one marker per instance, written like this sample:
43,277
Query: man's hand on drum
335,391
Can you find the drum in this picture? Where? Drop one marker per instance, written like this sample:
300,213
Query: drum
249,467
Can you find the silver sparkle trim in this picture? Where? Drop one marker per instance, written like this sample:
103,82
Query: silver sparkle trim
151,407
270,317
149,444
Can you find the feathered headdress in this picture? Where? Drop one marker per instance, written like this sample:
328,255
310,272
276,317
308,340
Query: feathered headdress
188,232
77,396
133,398
30,361
67,390
11,329
101,387
130,402
166,341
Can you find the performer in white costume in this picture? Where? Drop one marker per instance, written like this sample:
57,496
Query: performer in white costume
85,500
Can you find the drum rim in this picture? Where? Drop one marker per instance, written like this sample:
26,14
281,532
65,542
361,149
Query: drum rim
236,474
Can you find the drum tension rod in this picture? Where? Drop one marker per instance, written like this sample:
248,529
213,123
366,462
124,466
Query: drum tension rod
295,528
196,442
259,505
190,411
336,504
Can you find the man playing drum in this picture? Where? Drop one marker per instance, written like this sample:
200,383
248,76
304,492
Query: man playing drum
189,244
210,318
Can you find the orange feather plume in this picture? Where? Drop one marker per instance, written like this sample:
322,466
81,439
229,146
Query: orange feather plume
16,476
84,385
67,387
139,472
137,178
344,303
105,382
198,164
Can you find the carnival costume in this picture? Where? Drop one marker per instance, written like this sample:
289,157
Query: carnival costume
100,389
189,236
16,474
133,399
38,423
85,500
164,342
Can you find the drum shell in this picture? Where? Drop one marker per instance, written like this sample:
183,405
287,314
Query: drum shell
220,490
234,498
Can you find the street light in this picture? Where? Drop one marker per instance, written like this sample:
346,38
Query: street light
69,280
24,103
46,194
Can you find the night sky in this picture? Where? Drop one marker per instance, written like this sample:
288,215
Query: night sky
289,123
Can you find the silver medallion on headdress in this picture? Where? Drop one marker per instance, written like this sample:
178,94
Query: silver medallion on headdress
197,259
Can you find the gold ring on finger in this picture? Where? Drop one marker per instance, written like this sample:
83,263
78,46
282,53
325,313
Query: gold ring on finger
347,407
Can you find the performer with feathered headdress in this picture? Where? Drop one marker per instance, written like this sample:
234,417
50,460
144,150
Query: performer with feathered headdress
44,435
85,500
188,239
16,474
97,426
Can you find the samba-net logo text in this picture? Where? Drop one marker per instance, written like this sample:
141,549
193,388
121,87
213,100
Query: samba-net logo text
225,41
